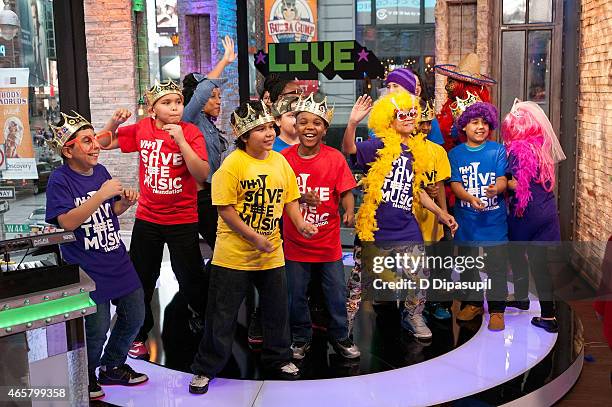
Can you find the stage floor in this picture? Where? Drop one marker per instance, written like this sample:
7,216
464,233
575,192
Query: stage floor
464,364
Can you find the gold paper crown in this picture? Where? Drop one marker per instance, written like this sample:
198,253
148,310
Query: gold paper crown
429,113
459,106
159,90
251,120
69,126
308,104
284,105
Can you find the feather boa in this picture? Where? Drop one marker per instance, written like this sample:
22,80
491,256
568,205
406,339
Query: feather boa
531,166
372,184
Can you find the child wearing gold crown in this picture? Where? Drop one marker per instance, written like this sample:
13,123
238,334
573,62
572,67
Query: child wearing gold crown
172,159
324,171
478,169
396,162
251,188
84,198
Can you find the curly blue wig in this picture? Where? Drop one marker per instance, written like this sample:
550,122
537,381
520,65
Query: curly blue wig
480,109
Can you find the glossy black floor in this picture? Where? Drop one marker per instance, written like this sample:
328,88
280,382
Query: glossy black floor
384,345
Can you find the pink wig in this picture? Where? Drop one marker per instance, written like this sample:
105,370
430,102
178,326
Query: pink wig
531,140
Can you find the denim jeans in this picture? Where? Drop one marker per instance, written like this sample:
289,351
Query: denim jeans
495,262
334,291
227,290
130,315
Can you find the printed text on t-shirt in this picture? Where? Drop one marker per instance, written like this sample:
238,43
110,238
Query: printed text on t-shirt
100,232
309,212
398,184
476,184
259,203
157,168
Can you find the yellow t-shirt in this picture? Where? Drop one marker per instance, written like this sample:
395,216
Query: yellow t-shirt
439,170
258,190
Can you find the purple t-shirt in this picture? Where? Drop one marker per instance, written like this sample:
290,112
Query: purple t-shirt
394,214
98,249
542,203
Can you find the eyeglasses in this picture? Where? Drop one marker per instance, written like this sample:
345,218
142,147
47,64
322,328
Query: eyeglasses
404,116
297,92
104,140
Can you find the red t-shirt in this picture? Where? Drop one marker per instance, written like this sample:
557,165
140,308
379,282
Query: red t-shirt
168,193
329,175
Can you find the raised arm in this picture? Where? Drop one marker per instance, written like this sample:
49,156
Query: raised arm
360,110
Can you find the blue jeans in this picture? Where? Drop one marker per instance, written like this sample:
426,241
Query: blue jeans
334,289
130,316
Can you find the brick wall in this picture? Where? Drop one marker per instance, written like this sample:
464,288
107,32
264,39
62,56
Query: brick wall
594,143
111,41
462,28
222,22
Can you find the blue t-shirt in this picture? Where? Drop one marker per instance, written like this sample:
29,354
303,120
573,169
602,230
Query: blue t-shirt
98,248
476,169
394,217
279,145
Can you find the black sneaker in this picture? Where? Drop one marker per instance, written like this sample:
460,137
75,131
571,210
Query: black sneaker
95,391
345,348
299,349
255,336
523,305
199,384
122,375
549,325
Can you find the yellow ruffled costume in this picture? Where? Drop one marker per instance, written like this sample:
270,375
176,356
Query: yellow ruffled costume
381,118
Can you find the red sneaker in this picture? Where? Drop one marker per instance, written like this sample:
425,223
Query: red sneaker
139,351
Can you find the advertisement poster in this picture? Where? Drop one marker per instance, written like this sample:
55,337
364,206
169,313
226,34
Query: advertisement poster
15,125
292,21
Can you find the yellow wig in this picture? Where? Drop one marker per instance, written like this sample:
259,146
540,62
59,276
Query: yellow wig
381,118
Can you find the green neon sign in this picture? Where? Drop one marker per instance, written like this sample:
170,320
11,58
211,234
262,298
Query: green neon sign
36,312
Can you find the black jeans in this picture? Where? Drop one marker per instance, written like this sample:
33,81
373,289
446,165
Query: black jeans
207,217
227,290
439,250
495,261
146,251
525,258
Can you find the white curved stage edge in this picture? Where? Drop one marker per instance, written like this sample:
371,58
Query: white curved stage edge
485,361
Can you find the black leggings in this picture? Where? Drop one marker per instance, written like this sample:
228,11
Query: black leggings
532,257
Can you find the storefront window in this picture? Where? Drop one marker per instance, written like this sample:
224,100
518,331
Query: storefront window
29,101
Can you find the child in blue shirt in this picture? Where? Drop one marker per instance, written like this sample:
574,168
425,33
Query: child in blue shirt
478,169
84,198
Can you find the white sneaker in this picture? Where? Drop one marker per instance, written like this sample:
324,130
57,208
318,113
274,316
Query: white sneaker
199,384
289,371
415,324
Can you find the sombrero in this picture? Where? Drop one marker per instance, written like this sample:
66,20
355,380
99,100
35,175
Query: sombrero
468,70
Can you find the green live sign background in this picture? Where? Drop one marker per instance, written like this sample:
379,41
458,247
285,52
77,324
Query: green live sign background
306,60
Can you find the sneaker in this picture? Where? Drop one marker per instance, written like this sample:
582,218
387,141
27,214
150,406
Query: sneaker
346,348
199,384
416,325
549,325
523,305
469,312
496,321
288,371
255,335
438,311
95,391
139,351
122,375
299,349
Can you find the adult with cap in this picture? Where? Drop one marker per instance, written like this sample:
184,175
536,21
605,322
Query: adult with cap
462,78
202,107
